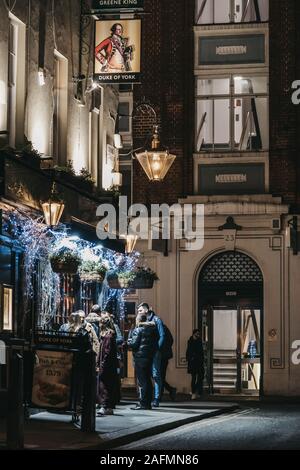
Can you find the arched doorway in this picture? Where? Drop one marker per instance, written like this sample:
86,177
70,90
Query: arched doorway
231,318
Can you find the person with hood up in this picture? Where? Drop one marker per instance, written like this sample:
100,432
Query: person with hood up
107,365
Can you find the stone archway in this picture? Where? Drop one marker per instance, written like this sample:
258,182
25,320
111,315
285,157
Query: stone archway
230,287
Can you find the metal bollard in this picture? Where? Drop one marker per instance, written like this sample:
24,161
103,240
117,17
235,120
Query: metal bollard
15,416
88,418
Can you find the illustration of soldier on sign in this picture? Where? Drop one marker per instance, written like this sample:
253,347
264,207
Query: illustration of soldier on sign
117,56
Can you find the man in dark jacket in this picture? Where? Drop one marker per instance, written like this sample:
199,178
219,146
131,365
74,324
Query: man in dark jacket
143,342
195,360
166,355
144,309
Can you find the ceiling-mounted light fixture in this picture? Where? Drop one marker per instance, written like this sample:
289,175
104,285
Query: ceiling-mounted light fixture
117,177
53,208
118,141
157,161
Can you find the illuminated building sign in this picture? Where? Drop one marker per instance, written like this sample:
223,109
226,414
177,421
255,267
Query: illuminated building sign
118,5
239,178
232,49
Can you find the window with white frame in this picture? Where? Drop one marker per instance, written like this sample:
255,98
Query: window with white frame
16,80
231,11
232,113
60,116
95,128
3,109
94,143
6,307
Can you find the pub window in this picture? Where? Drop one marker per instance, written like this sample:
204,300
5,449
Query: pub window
232,114
6,319
231,11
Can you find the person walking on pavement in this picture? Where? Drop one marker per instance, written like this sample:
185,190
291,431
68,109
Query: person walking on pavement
195,360
120,343
166,355
143,342
156,364
107,367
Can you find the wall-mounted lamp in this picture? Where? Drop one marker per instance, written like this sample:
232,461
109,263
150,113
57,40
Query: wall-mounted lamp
118,141
117,179
42,76
53,208
292,235
157,161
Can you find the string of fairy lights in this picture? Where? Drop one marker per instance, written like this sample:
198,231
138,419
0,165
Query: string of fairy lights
38,242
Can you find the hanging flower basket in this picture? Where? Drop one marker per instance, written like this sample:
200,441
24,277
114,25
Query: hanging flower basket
64,267
92,271
120,280
114,283
140,283
144,278
65,261
91,277
125,283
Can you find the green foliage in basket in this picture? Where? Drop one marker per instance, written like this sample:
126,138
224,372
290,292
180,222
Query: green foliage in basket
65,255
143,273
93,267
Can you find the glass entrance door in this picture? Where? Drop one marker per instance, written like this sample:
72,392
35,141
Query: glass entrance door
250,346
232,345
225,350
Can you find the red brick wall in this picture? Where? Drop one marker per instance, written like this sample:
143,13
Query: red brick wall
284,127
167,65
168,84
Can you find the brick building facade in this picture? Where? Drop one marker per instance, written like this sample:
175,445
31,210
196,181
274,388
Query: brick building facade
168,83
248,172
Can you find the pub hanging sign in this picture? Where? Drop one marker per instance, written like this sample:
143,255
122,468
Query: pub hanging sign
116,5
117,51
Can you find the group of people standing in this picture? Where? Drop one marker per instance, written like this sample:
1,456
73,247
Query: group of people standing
151,344
106,341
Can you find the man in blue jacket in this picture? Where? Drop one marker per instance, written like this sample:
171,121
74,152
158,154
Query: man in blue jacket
156,364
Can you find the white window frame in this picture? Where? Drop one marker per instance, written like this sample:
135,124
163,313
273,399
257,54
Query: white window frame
16,80
199,4
60,112
231,96
94,128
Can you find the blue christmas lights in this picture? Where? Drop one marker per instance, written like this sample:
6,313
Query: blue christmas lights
39,241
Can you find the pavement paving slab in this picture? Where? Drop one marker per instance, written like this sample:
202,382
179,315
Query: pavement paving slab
46,430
